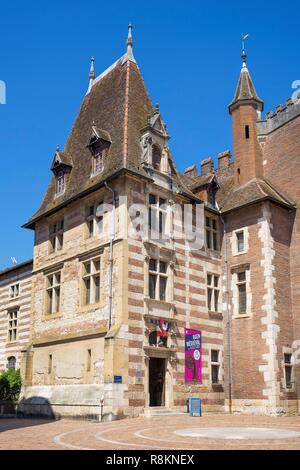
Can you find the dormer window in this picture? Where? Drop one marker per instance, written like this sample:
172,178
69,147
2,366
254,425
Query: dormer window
98,162
61,167
60,183
98,146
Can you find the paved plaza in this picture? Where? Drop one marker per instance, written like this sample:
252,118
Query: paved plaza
156,433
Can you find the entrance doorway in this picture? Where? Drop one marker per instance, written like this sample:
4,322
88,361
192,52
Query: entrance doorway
157,373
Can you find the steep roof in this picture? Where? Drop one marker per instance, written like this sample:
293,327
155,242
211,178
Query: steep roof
116,107
117,104
245,90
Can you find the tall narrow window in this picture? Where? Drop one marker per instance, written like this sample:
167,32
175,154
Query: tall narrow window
247,132
89,360
156,157
240,241
98,162
213,292
14,291
288,369
211,233
56,236
94,220
215,366
242,290
158,279
11,362
50,364
53,293
60,183
12,325
91,281
157,214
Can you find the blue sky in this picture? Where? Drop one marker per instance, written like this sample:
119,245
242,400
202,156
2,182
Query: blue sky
189,55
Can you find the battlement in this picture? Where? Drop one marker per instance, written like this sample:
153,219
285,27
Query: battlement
279,117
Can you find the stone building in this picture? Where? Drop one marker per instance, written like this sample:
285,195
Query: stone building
117,288
15,304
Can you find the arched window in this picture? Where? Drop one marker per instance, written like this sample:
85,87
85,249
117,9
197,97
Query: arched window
156,157
11,362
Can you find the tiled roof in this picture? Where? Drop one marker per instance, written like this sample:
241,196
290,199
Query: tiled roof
230,197
246,90
117,105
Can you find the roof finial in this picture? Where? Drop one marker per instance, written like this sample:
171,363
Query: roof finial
92,74
129,37
129,44
92,69
244,55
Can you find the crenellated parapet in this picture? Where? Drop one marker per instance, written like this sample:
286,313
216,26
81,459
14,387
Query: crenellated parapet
279,117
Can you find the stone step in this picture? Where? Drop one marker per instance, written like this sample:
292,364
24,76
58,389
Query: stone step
161,411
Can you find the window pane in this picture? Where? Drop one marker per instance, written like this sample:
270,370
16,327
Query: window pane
152,265
216,300
242,298
288,376
87,284
214,356
216,281
153,338
242,277
240,241
208,239
152,285
162,287
50,301
162,267
215,374
215,241
209,279
209,298
152,199
97,289
287,358
162,202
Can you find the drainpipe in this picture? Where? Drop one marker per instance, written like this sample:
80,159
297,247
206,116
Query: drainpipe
228,320
111,260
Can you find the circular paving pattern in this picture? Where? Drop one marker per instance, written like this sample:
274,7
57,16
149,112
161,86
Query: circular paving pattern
237,433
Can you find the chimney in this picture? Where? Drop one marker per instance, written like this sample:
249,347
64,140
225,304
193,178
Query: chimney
191,171
207,166
224,159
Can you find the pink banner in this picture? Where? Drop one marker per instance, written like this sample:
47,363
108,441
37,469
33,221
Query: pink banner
193,355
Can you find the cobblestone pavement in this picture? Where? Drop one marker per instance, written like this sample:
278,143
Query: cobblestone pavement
166,432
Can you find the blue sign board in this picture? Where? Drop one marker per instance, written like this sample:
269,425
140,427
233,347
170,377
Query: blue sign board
117,379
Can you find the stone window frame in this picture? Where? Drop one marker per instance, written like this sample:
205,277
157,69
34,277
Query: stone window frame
159,213
286,350
91,275
219,364
159,274
210,231
235,293
12,325
163,254
56,230
14,291
219,289
53,287
91,218
234,241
